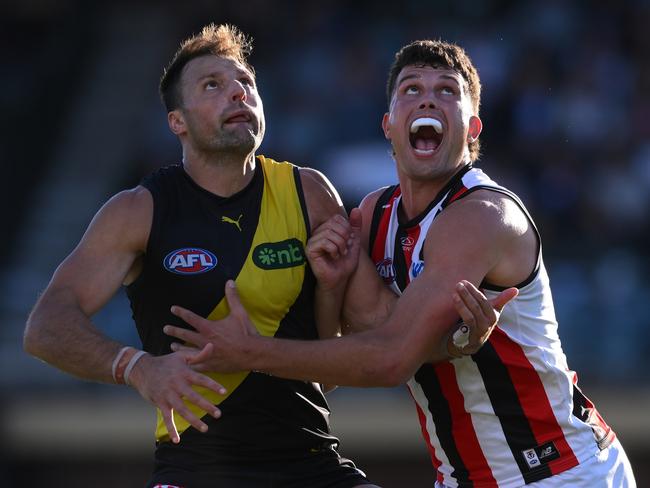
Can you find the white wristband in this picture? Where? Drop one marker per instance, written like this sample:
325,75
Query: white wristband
136,357
116,361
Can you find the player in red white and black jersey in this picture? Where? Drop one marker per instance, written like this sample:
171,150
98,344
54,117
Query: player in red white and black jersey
512,413
496,410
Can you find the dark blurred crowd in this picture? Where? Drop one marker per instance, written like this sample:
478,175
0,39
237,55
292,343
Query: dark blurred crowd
565,106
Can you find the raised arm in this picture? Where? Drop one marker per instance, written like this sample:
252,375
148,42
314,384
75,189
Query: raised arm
60,330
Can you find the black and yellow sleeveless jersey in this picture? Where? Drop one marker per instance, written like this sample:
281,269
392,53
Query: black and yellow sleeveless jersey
197,242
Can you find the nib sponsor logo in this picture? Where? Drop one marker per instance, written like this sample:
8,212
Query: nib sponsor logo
278,255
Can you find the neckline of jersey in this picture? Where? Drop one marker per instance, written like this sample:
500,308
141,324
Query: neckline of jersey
257,174
441,194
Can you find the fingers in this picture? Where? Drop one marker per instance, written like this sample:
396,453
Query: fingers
476,300
202,355
331,237
504,297
186,351
188,336
168,419
196,321
356,220
328,243
182,409
232,296
463,310
467,301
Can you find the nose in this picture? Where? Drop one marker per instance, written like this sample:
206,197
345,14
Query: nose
427,104
238,91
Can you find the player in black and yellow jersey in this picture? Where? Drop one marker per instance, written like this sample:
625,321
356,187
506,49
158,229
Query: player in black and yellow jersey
224,213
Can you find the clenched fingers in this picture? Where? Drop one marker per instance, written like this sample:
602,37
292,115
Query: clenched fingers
331,244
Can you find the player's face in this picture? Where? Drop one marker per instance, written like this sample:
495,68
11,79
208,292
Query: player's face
221,108
430,122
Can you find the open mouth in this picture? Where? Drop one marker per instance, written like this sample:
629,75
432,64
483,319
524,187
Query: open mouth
238,117
425,135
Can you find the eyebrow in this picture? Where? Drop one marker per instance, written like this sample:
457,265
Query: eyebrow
418,76
408,77
452,78
215,74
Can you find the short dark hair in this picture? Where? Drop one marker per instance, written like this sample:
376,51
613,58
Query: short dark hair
439,54
220,40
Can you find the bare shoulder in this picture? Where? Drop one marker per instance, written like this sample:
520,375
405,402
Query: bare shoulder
367,207
125,219
370,200
321,198
494,209
485,235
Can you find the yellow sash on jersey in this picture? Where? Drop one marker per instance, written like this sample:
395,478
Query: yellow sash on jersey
270,281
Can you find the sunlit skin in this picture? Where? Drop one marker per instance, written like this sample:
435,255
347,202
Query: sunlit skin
423,91
220,121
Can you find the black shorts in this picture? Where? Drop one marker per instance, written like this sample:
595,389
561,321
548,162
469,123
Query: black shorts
322,469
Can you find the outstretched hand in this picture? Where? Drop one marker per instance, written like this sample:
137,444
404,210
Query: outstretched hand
226,338
333,249
167,380
479,316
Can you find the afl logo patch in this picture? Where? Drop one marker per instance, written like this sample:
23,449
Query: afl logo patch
189,261
386,270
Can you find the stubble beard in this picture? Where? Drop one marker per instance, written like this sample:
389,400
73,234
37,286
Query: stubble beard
232,142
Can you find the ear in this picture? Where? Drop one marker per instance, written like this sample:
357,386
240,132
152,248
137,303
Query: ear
385,126
475,128
176,122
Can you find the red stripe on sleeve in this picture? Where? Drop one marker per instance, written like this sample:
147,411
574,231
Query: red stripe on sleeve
533,399
463,430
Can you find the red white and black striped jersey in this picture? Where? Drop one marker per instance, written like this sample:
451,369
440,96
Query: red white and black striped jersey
512,413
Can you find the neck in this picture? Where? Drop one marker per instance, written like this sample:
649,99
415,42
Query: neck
223,174
417,194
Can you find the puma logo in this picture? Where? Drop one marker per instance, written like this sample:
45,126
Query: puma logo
228,220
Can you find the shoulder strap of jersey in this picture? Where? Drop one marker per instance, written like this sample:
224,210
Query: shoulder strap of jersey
380,219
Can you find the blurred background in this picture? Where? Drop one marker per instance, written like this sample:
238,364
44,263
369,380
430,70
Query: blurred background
566,112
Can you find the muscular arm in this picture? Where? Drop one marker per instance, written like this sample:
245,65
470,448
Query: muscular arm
474,238
323,202
59,330
368,301
480,236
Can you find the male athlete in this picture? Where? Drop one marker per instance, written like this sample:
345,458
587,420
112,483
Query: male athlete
175,239
510,413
